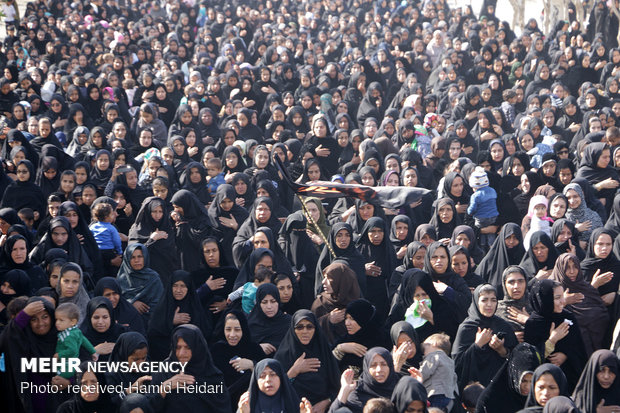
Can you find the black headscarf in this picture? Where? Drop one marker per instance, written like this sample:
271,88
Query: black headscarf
201,367
530,264
162,319
403,327
125,314
369,388
193,231
268,329
444,230
246,273
474,250
350,255
162,251
500,256
126,344
77,404
285,399
95,337
504,391
20,194
538,325
589,170
319,385
396,243
223,352
19,341
407,391
470,360
559,378
199,189
383,256
591,263
35,274
589,392
462,293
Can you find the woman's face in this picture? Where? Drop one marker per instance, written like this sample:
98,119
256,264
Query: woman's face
379,369
59,236
418,258
366,211
41,323
261,158
603,246
19,253
100,320
497,153
304,330
525,184
572,270
401,230
351,325
557,208
265,262
517,167
269,306
103,162
23,173
89,389
515,285
487,303
404,338
241,187
69,284
439,260
319,129
343,239
376,235
605,377
526,384
558,299
574,200
460,264
179,290
263,213
285,288
211,254
541,252
314,172
233,332
268,382
313,210
260,240
183,351
410,178
137,260
545,389
604,159
446,214
368,179
111,295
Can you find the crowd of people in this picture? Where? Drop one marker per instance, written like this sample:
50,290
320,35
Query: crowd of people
149,151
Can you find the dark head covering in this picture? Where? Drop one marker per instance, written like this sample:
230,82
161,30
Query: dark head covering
201,367
591,263
403,327
406,391
474,250
588,392
95,337
139,285
125,314
124,347
268,329
504,392
285,399
313,385
162,320
367,387
530,264
558,376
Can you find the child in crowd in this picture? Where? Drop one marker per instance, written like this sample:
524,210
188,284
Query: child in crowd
107,236
539,221
483,204
437,370
215,175
247,292
70,337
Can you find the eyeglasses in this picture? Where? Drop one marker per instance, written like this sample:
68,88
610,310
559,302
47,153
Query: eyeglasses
300,327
